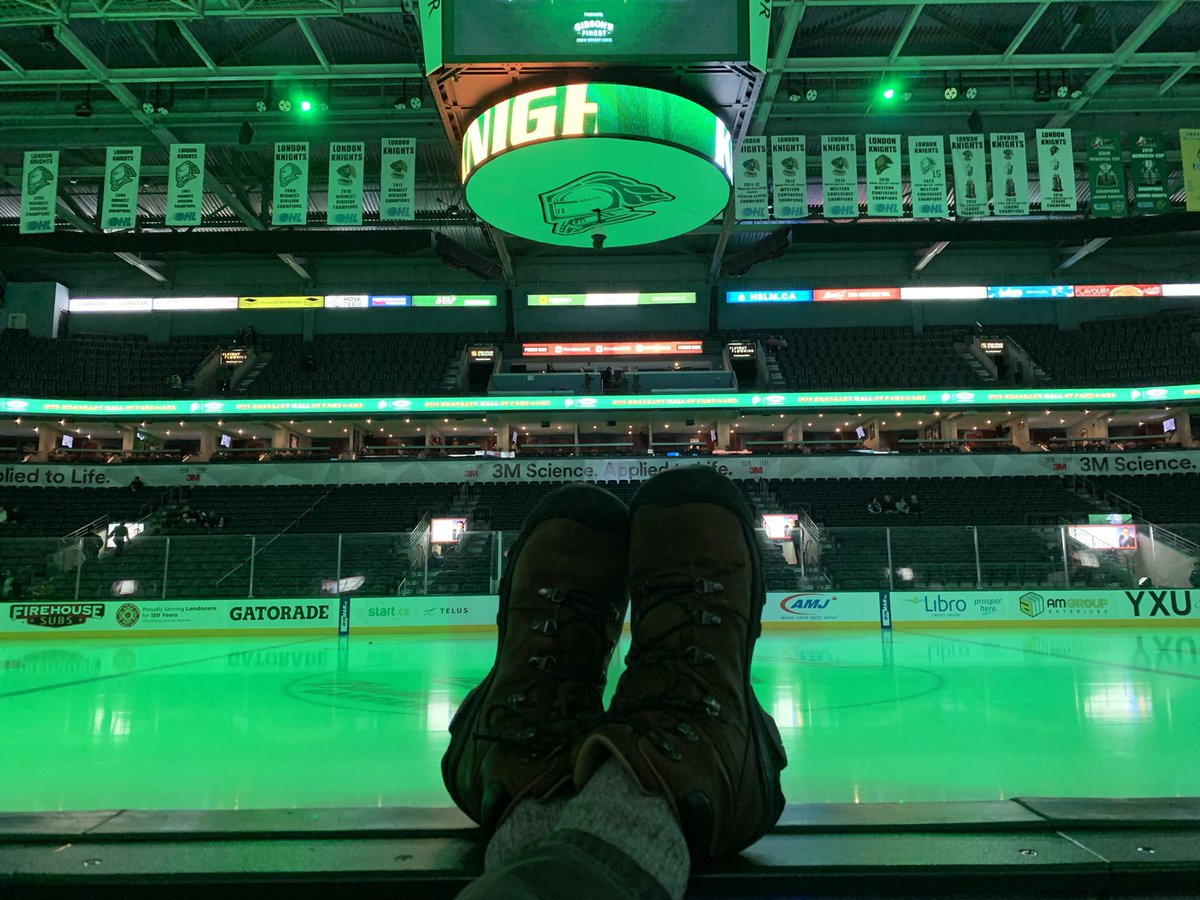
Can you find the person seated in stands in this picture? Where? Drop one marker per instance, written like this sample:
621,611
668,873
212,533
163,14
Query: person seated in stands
16,517
773,343
1194,578
914,505
888,505
901,504
137,484
873,507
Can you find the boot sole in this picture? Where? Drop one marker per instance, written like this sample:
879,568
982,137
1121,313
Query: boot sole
584,503
696,484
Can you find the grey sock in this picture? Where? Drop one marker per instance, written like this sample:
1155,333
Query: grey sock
613,808
528,822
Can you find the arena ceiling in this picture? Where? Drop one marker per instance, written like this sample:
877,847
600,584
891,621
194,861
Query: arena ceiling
156,72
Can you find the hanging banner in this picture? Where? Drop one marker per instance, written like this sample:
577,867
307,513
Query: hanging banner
1189,155
1148,172
1106,176
290,204
789,173
1056,170
39,191
1010,174
839,175
970,175
344,204
122,171
884,194
185,185
750,182
397,180
927,175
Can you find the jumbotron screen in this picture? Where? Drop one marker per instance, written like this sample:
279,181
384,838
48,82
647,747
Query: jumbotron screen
575,30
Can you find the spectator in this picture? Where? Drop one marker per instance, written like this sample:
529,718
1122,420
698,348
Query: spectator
772,344
3,516
873,508
888,504
901,505
914,505
224,378
1194,580
16,516
8,585
120,536
137,484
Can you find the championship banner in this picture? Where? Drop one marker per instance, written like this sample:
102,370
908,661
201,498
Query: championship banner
344,201
927,175
290,203
1106,175
1189,155
789,172
970,175
1010,174
839,175
397,180
750,181
885,196
39,191
185,185
122,172
1056,170
1148,172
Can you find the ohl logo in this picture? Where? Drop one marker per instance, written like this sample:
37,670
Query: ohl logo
806,604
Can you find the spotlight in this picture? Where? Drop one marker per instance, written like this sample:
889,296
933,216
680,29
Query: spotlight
83,110
1076,93
794,98
324,106
285,105
260,105
246,133
1062,91
950,93
306,106
906,96
399,103
162,110
971,93
811,94
414,102
148,108
889,93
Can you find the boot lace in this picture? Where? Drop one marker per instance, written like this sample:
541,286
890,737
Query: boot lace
687,595
538,731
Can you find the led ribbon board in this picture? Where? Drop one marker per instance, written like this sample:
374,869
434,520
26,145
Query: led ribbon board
550,165
856,400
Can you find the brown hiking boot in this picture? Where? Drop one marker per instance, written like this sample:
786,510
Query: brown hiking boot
685,721
562,603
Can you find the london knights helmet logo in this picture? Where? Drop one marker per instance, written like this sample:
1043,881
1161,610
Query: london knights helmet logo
604,197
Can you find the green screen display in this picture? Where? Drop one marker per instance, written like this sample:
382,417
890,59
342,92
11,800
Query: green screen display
931,399
563,165
444,300
618,299
571,30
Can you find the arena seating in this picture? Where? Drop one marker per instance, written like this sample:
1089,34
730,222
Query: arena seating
95,366
359,365
1158,349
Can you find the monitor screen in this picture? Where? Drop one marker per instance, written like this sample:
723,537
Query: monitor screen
861,432
580,30
1105,537
68,441
133,529
779,525
446,531
227,440
1109,518
1168,425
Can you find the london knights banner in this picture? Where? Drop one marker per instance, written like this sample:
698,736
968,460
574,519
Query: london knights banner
344,205
1148,173
927,176
185,185
122,173
1106,175
839,175
468,470
397,180
289,204
750,180
885,195
1056,170
969,157
789,176
1010,174
1189,155
39,191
